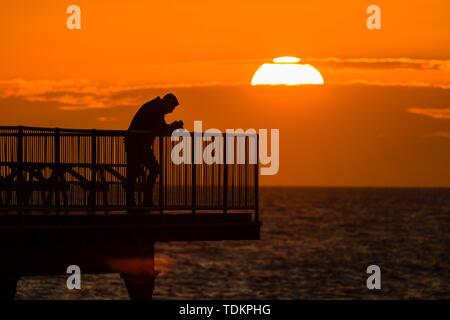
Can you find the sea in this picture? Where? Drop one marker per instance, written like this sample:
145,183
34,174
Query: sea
316,243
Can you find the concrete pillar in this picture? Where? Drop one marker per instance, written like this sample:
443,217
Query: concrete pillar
139,287
140,275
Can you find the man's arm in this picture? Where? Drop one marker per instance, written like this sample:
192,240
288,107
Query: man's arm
169,128
175,125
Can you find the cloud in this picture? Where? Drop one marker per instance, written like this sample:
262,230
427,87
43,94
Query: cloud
357,63
381,63
104,118
82,94
408,72
378,83
71,94
436,113
85,94
438,134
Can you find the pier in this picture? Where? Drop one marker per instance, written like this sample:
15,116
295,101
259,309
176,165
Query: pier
63,201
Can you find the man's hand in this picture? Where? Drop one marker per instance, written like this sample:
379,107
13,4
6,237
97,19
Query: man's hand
178,124
174,126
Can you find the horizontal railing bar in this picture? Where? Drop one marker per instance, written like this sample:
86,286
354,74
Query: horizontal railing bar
87,164
106,132
63,164
110,208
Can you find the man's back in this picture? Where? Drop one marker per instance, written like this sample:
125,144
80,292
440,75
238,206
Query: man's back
150,116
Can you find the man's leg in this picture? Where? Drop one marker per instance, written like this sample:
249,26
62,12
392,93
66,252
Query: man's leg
153,166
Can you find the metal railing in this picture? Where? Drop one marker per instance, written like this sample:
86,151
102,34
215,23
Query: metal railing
54,170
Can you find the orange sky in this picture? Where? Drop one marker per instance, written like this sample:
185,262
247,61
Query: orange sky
145,41
382,117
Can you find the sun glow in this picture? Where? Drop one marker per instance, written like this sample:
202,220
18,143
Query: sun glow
286,71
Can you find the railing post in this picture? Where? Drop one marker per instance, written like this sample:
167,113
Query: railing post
57,170
247,166
257,180
161,173
93,170
194,178
19,189
225,174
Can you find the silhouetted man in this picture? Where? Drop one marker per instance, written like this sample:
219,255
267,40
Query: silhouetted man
139,147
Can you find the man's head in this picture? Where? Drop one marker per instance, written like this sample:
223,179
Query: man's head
170,102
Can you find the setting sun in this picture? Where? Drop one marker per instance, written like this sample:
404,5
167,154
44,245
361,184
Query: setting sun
286,71
286,60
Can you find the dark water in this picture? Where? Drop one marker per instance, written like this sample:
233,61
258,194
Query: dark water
316,244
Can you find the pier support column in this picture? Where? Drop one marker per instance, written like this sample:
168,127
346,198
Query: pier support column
139,287
8,286
139,273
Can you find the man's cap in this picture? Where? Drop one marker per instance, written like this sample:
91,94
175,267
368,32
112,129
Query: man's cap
171,99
